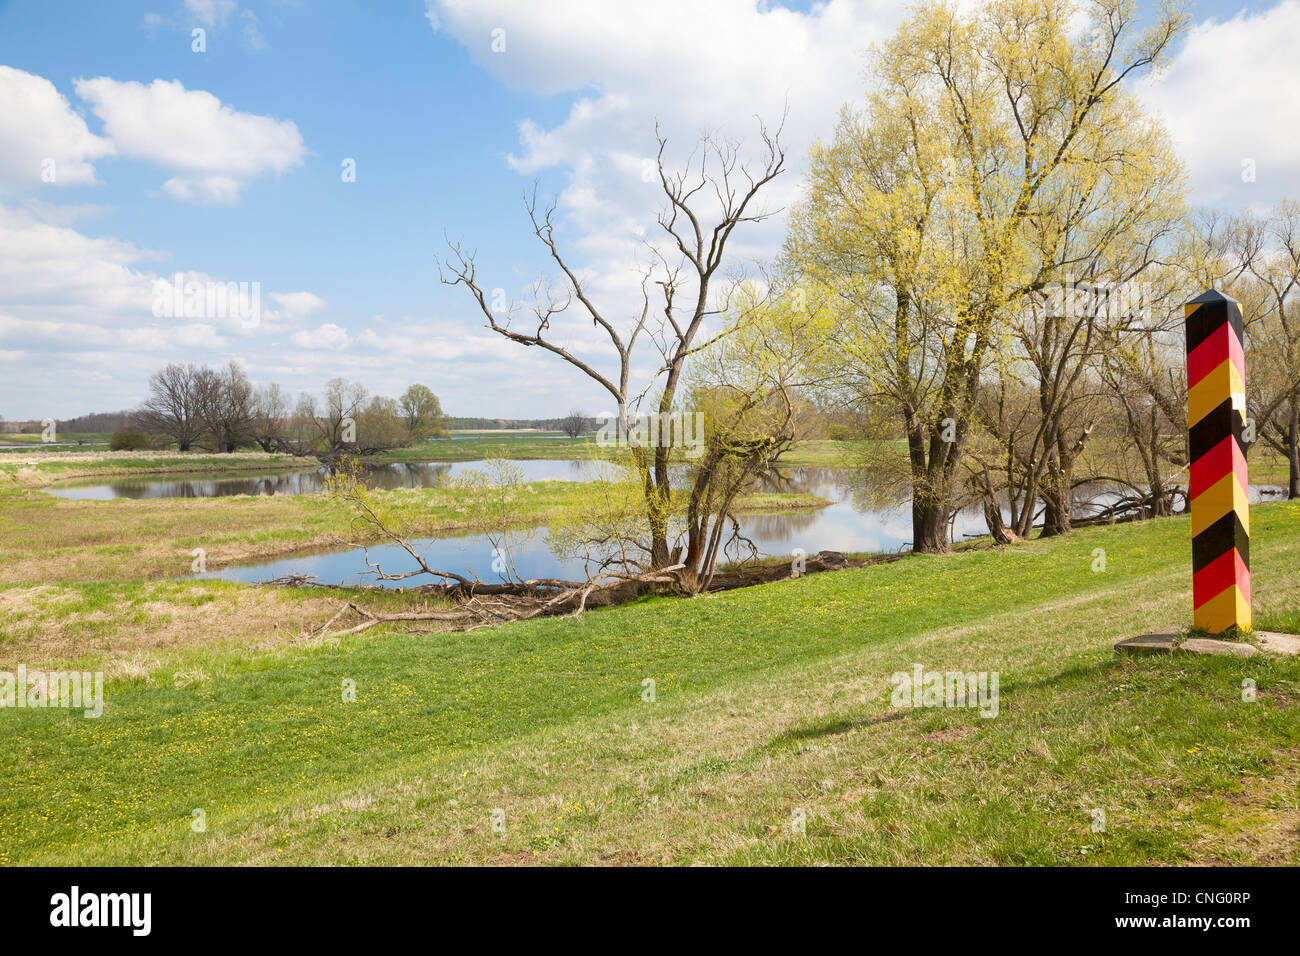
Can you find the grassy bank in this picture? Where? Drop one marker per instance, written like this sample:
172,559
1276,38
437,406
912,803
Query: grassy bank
41,468
467,446
770,702
95,581
35,440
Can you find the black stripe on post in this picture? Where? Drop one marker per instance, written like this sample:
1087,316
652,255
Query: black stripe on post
1224,420
1222,536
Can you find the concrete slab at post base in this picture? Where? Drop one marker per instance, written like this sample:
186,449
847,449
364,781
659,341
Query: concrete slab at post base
1275,643
1270,642
1214,645
1148,644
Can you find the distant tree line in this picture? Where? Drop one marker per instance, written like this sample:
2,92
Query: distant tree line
82,424
219,409
460,423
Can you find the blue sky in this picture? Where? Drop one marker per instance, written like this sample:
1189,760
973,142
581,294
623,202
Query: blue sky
226,164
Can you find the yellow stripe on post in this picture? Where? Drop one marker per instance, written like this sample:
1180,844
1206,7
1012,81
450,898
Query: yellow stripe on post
1224,496
1228,609
1207,394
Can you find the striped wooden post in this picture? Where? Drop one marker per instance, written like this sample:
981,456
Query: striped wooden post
1216,410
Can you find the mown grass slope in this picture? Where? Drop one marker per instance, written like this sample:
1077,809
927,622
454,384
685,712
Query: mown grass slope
771,704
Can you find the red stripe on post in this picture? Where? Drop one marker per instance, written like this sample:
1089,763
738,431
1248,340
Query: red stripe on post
1221,573
1214,464
1205,358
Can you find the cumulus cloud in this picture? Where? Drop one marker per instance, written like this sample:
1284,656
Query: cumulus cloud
297,305
55,270
78,327
697,68
1229,101
214,150
328,337
42,139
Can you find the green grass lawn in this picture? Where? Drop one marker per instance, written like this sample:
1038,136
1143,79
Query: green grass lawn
770,703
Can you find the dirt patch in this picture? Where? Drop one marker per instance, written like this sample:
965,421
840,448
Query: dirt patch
19,602
1266,821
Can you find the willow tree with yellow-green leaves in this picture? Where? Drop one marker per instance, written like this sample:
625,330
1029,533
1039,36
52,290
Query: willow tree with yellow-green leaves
996,154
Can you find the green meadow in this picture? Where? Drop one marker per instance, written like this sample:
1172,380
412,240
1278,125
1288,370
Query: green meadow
751,726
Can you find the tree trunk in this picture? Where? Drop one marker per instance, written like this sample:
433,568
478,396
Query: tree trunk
930,515
930,499
1056,497
997,528
1293,450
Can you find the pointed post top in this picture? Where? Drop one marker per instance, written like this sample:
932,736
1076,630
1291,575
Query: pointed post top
1212,295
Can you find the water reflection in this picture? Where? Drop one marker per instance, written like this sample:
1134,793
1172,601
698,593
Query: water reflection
845,525
857,520
388,477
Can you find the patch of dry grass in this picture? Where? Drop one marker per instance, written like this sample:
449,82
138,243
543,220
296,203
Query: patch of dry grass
133,627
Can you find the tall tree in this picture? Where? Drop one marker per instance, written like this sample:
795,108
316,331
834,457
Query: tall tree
333,426
421,413
928,211
271,418
225,405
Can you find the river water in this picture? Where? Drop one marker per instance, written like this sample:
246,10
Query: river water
851,523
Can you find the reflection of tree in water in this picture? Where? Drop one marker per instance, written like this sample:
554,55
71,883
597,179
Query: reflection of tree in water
863,490
775,526
390,476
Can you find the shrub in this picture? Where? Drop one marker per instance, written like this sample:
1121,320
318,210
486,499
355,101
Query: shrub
128,439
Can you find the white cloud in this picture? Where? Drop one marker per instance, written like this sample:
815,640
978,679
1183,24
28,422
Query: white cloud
38,125
214,150
77,324
78,333
329,337
1228,97
53,271
697,68
211,13
297,305
252,30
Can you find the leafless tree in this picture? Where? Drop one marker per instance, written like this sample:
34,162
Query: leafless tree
225,405
271,416
332,426
697,237
574,423
173,408
1271,247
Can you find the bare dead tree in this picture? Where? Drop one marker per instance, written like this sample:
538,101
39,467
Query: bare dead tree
686,276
